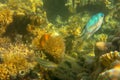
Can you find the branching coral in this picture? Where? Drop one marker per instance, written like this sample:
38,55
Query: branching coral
74,4
53,46
29,5
25,23
16,18
4,40
37,20
16,61
74,26
101,37
5,19
49,42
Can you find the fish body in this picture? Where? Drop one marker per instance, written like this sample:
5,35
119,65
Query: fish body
93,25
46,64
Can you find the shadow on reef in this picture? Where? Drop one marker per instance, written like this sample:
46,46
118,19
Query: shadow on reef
15,28
20,24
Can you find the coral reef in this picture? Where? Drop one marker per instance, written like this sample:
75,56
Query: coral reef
22,6
70,67
108,64
34,33
101,37
75,5
18,61
109,58
115,43
53,45
112,73
12,55
5,19
26,20
11,15
101,48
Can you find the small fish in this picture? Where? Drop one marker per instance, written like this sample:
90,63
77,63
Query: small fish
51,65
46,64
93,25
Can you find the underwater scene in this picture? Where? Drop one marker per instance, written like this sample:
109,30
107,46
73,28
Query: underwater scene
59,39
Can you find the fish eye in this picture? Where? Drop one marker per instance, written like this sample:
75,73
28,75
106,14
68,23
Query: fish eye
101,14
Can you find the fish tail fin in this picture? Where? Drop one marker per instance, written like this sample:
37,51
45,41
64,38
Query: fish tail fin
46,64
83,34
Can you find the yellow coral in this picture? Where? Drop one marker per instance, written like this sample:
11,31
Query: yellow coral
29,5
15,61
38,33
4,72
4,40
5,19
37,20
55,48
108,58
101,37
52,44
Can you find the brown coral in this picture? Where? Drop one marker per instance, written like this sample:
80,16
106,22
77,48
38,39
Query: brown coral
53,46
111,74
5,19
37,20
15,61
108,58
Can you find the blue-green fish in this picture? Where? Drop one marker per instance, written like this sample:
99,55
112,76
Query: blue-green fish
93,25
